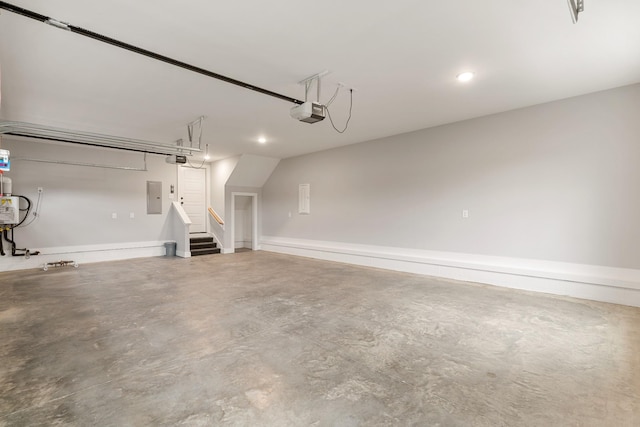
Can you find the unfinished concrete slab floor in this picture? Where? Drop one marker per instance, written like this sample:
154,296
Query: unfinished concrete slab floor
260,339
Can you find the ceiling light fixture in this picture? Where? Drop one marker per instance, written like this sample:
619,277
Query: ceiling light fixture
262,140
206,152
465,77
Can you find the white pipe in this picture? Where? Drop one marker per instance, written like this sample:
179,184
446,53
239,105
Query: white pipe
72,136
92,165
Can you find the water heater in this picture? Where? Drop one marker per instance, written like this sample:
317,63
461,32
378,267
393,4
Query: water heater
9,210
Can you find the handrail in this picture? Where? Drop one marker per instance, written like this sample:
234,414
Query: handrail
216,216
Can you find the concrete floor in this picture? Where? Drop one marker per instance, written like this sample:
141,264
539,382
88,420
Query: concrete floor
264,339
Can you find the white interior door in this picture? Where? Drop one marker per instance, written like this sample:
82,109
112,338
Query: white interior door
192,187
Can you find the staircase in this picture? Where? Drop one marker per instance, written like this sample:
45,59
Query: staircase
203,246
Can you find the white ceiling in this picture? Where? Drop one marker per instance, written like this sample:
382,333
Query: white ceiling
401,57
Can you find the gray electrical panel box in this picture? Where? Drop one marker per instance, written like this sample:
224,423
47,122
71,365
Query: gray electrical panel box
154,197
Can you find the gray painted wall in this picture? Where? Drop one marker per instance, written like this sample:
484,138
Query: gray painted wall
557,181
221,170
78,201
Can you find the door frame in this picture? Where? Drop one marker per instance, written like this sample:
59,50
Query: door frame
207,193
254,220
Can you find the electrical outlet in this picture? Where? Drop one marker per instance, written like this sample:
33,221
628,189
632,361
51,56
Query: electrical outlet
114,216
132,215
40,190
465,213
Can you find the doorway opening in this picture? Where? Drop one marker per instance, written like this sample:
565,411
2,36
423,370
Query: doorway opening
244,221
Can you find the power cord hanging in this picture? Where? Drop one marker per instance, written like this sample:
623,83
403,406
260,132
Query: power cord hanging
35,214
350,110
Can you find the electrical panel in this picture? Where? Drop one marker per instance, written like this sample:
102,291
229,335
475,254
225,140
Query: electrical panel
154,197
9,210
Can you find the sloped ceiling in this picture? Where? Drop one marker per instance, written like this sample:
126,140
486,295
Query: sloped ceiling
401,57
252,171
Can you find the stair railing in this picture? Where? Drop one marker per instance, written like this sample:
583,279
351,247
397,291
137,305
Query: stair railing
216,216
217,228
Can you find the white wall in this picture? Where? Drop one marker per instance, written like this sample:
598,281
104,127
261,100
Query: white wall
551,191
220,173
78,202
553,182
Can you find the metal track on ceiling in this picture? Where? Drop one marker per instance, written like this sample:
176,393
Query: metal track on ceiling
108,40
32,130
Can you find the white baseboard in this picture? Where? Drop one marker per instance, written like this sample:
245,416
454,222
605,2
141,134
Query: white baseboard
83,254
598,283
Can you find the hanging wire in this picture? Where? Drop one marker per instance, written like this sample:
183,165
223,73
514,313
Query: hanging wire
35,213
335,94
196,167
350,110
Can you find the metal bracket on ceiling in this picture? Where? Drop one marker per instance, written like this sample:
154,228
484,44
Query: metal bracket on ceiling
194,126
58,24
575,7
308,83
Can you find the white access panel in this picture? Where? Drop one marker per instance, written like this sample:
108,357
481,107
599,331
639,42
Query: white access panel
304,199
9,210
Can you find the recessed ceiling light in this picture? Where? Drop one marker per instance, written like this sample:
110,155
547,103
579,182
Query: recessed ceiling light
465,77
262,140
